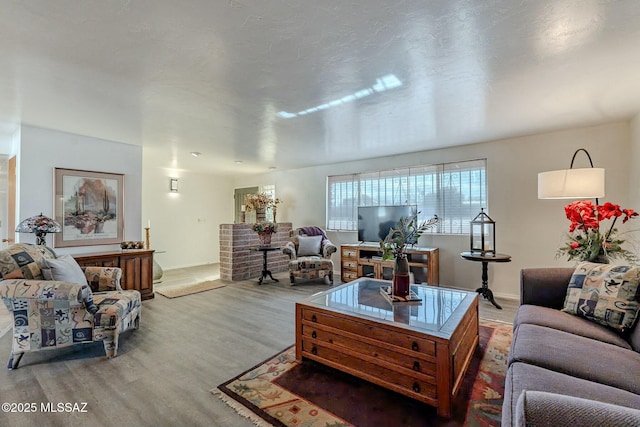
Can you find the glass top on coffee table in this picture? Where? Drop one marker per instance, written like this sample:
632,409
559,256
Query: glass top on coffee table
438,312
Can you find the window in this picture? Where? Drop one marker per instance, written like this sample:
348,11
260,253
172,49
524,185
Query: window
453,191
269,190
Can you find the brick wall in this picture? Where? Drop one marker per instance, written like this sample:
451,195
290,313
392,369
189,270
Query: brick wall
239,262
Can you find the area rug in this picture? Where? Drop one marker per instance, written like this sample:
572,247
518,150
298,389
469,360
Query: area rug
283,392
175,291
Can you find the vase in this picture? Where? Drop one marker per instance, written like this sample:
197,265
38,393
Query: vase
261,215
601,258
265,239
401,277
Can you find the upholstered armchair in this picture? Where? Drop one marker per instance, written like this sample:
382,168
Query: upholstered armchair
309,252
87,305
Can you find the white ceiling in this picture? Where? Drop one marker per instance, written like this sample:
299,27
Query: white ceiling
177,76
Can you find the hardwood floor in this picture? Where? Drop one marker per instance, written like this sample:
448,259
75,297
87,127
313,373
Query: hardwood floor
163,372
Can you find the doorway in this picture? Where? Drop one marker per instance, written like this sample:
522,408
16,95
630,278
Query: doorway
238,195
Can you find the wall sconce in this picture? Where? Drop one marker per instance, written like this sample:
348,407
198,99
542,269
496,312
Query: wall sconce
579,183
173,185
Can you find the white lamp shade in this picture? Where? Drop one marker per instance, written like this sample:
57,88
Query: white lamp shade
585,183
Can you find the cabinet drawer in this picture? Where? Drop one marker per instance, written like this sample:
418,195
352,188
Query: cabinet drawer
414,364
410,385
350,264
349,253
350,275
373,331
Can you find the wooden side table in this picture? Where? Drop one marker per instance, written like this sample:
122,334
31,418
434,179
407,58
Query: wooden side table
265,271
486,259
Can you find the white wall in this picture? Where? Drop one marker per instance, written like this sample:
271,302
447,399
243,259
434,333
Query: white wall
185,225
42,150
634,159
528,229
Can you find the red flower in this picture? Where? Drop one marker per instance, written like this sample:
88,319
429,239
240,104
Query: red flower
609,210
628,214
574,245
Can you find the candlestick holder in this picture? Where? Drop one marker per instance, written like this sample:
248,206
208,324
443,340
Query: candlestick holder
146,238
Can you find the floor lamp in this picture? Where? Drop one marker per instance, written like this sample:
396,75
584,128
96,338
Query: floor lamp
579,183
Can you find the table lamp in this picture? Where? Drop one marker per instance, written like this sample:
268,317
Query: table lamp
40,225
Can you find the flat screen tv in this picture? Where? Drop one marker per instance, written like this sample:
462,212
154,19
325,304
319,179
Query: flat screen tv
374,222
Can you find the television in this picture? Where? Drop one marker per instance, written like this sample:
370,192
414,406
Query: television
374,222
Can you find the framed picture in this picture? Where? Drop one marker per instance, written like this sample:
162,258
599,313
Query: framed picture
89,206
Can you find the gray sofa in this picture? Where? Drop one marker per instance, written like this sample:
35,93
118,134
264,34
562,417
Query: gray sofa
565,369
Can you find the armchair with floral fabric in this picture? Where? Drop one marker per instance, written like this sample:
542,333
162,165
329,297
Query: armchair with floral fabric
55,303
309,254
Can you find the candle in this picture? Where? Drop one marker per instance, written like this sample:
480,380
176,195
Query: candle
242,208
148,223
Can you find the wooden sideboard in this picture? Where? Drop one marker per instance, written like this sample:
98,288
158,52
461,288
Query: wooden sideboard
136,265
365,260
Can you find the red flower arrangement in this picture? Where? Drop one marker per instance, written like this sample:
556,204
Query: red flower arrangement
586,241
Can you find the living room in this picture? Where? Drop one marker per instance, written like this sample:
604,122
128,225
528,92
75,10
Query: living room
549,126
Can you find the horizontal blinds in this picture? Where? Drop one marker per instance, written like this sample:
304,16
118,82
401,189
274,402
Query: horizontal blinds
342,202
453,191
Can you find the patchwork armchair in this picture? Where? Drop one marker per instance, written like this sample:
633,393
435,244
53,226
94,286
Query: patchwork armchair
309,254
50,314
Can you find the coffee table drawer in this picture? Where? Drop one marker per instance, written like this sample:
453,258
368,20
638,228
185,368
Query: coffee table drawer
373,331
412,385
384,355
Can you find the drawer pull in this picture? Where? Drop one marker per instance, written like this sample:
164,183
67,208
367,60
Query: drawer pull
416,387
314,351
314,319
415,346
416,366
314,335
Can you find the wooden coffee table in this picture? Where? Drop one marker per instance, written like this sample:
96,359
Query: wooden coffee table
421,350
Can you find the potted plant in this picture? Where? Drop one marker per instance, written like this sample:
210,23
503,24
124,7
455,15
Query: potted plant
265,230
406,232
587,241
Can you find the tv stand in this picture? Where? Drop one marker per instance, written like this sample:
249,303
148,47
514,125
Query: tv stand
365,260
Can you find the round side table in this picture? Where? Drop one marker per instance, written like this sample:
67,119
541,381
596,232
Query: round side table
265,271
485,260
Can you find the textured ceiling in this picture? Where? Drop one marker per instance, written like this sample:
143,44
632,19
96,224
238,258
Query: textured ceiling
368,78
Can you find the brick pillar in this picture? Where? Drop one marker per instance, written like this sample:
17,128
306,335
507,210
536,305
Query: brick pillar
239,262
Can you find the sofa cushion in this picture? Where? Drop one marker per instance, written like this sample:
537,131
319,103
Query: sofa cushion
542,409
556,319
605,293
309,245
522,376
64,269
574,355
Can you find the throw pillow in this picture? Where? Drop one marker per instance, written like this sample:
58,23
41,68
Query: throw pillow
309,245
65,269
15,274
605,293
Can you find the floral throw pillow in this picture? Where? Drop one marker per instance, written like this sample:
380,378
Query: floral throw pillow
605,293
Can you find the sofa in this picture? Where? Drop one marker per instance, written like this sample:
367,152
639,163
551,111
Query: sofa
567,369
55,303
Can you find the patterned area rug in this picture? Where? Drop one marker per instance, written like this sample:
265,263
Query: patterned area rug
283,392
175,291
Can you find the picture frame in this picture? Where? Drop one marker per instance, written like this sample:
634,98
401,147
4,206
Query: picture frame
89,206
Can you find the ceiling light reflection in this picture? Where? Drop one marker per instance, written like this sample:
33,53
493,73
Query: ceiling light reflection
390,81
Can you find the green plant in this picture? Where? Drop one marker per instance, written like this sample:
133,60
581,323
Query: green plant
265,227
406,232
